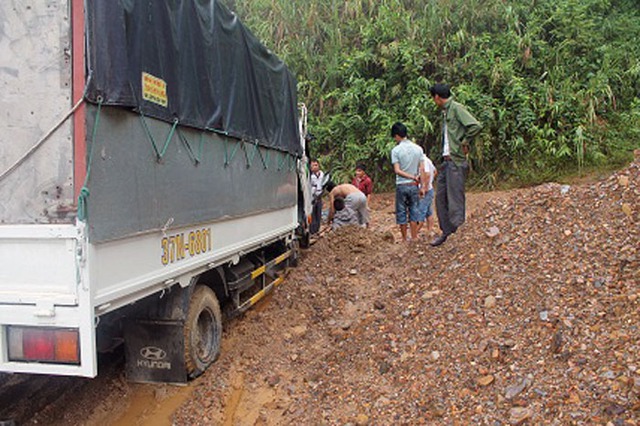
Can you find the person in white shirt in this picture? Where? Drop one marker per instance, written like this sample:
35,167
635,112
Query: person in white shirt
426,202
317,176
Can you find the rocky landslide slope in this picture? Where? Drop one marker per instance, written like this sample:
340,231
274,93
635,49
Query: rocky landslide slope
529,315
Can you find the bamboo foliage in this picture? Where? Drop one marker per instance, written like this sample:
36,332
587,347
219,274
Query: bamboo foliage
555,82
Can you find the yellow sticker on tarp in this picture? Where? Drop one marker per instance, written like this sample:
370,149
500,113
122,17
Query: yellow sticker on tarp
154,89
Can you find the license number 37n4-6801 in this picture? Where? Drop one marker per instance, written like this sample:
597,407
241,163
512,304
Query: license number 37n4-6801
185,244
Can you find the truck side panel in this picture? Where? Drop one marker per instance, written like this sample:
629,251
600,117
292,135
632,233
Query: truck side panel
128,269
35,77
200,178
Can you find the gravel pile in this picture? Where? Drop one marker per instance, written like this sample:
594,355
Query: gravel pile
529,315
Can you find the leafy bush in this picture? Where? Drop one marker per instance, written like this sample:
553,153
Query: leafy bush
555,82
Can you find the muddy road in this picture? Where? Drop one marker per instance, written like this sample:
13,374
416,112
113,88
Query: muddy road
110,399
528,315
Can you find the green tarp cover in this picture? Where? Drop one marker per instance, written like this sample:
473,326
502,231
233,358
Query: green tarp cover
191,61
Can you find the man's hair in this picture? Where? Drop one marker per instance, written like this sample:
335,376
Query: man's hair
329,185
440,89
399,129
360,166
314,160
338,203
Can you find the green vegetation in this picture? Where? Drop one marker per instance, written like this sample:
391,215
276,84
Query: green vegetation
556,83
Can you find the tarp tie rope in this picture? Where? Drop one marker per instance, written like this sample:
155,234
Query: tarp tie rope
218,131
281,163
287,158
228,154
159,154
227,158
42,140
196,158
253,154
83,196
200,147
262,158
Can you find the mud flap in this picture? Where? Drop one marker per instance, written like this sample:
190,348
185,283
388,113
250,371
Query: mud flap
155,351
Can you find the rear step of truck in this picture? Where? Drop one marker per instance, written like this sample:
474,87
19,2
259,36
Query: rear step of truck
250,284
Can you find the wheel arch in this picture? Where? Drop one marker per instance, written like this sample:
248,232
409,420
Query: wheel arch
215,280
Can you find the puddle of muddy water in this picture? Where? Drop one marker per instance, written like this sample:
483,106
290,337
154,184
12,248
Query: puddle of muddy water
153,405
234,400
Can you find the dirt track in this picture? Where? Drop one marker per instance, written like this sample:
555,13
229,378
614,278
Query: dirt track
109,399
529,315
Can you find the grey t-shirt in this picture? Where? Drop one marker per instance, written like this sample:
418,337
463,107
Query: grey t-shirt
409,156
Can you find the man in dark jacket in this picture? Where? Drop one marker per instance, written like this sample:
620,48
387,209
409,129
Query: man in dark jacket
459,128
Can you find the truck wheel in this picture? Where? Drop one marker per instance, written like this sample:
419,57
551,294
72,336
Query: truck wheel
202,331
303,236
295,254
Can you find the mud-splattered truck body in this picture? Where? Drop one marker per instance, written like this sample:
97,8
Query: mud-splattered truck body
152,171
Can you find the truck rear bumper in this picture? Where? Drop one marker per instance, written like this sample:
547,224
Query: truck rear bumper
40,289
55,318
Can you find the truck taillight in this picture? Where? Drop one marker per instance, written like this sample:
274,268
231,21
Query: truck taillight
32,344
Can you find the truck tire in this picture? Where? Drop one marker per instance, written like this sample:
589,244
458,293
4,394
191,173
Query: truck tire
202,331
303,236
294,259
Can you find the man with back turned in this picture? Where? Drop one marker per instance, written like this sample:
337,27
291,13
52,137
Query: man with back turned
408,165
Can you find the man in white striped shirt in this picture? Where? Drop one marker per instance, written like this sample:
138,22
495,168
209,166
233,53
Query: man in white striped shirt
317,176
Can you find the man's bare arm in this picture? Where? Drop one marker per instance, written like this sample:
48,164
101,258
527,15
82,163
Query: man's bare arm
331,210
400,172
424,178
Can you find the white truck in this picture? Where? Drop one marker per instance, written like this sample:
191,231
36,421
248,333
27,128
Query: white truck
152,173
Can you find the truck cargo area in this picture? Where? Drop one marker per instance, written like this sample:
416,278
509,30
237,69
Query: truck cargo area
142,205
